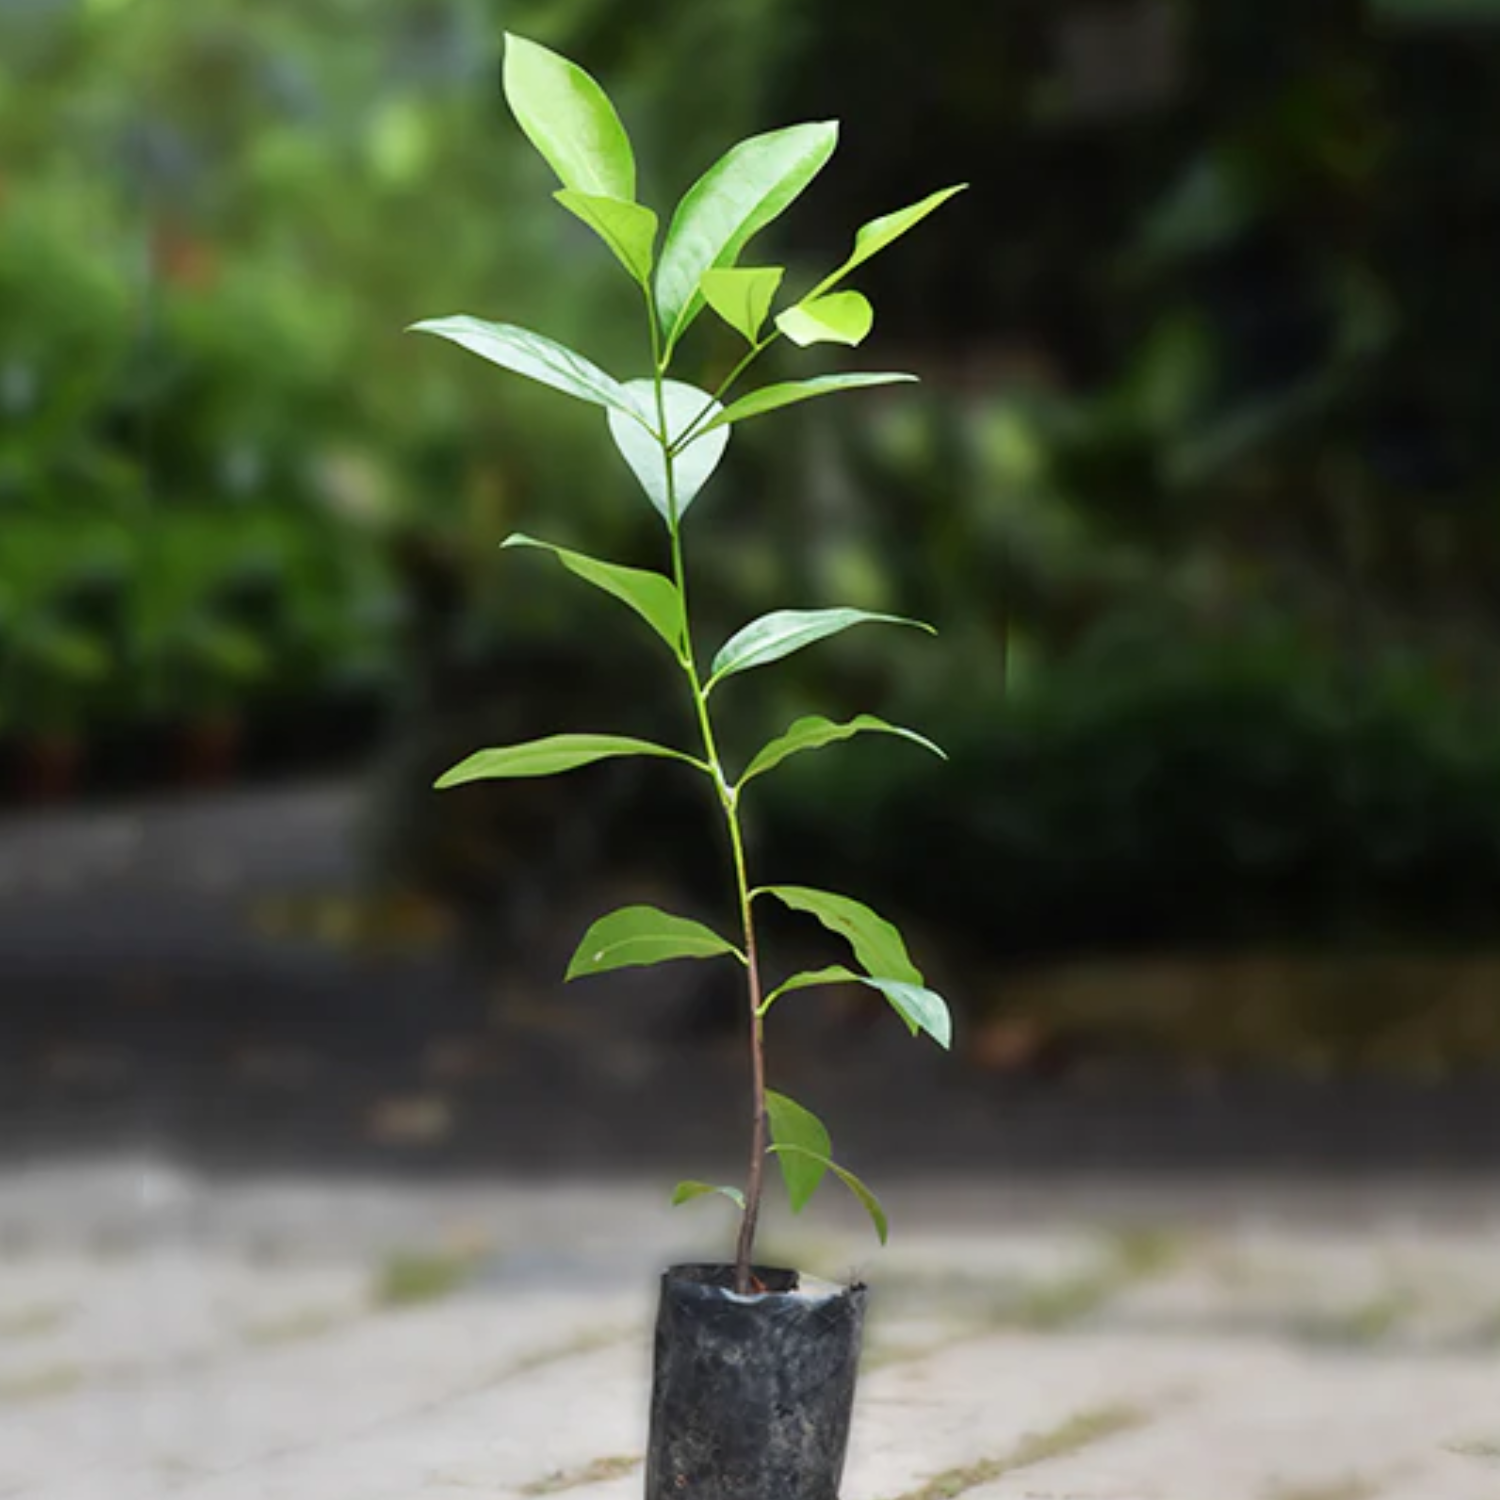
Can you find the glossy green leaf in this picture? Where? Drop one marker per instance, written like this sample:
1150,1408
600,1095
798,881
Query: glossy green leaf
802,1139
629,229
814,732
877,944
789,392
546,757
784,631
839,318
742,295
653,597
534,356
870,239
685,1192
642,450
868,1201
735,199
920,1008
637,935
569,119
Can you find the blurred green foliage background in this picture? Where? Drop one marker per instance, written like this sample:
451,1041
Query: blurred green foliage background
1200,486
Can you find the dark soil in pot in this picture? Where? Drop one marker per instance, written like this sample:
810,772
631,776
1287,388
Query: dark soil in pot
752,1395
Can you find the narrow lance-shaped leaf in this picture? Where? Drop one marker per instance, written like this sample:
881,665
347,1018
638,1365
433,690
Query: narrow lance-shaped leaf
692,467
535,356
784,631
685,1192
867,1200
653,597
870,239
546,757
877,944
629,229
737,197
922,1010
788,392
742,295
811,979
569,119
814,732
635,936
839,318
803,1138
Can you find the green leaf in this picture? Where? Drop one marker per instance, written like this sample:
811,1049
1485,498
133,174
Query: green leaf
742,295
642,450
789,392
735,199
877,944
639,935
873,237
534,356
868,1201
685,1192
784,631
922,1009
814,732
546,757
802,1138
629,229
653,597
569,119
811,979
839,318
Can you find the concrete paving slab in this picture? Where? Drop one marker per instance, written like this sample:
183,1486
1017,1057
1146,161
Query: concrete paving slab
213,1341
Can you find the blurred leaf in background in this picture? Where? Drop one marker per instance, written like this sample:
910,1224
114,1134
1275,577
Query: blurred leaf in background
1203,473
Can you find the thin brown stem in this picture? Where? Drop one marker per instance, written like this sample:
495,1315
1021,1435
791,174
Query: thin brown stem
755,1178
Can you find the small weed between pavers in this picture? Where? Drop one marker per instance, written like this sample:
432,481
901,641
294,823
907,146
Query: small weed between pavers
41,1383
1361,1326
1135,1255
1071,1436
1483,1451
31,1322
410,1278
591,1473
1141,1251
1337,1489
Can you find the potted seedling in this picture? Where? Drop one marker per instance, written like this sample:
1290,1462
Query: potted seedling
754,1366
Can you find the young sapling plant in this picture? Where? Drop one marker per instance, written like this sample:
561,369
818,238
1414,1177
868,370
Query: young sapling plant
672,435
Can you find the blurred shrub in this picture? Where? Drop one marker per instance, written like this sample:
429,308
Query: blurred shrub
230,489
1159,788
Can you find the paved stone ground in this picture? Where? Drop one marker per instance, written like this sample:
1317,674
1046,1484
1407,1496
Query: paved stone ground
162,1335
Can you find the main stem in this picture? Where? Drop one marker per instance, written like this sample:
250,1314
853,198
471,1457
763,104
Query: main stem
729,802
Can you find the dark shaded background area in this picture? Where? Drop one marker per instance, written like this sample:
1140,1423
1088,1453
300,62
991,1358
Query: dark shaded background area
1200,487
